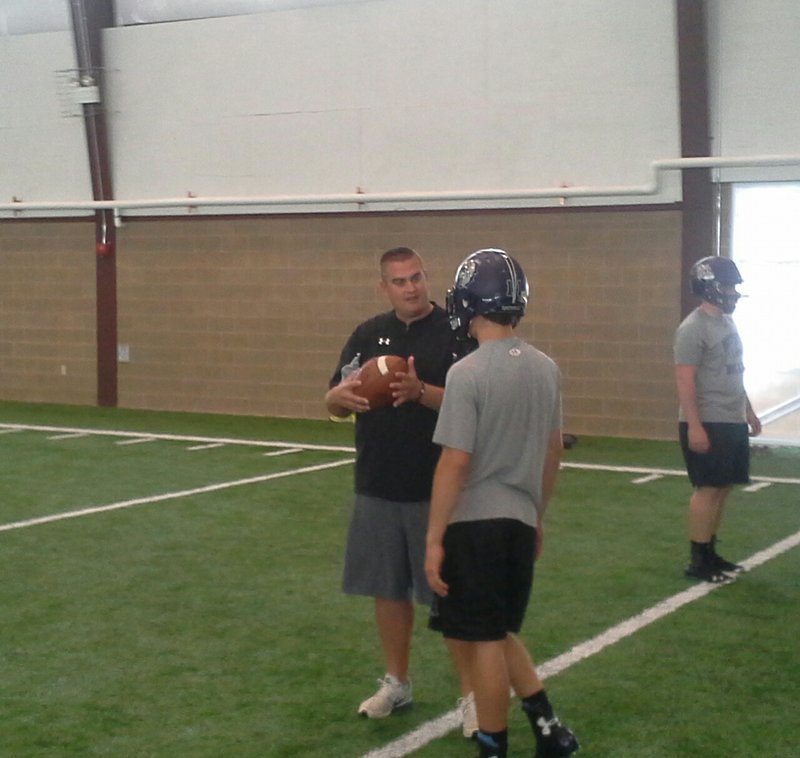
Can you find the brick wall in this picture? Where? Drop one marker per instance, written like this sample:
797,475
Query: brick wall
47,312
247,315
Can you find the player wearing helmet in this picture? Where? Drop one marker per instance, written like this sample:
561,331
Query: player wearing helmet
715,411
714,280
500,431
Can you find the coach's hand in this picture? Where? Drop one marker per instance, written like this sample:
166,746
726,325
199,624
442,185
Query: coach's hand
342,399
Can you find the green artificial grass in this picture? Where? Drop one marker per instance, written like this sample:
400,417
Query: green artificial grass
213,625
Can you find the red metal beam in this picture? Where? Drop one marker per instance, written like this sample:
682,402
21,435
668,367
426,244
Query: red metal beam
89,18
699,195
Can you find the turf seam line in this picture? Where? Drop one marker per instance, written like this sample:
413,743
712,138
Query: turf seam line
170,496
440,726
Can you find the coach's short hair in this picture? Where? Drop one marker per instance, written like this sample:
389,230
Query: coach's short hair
399,254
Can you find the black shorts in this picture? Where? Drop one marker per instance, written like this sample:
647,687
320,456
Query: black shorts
488,566
726,463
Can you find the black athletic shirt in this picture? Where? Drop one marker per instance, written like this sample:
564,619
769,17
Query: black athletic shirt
395,454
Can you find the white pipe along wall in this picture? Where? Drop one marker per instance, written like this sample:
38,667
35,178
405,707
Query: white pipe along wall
362,199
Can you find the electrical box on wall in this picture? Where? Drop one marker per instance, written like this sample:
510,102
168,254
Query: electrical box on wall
123,353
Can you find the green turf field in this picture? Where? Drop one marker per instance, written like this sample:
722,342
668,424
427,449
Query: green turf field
190,606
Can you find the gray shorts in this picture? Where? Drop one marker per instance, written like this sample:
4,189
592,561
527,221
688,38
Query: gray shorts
385,554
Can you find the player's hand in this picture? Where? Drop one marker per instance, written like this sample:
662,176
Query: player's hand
343,394
698,440
755,424
434,557
407,385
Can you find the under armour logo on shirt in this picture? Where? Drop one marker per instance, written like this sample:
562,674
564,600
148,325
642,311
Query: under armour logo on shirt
384,340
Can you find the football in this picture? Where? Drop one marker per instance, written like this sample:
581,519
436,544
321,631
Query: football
376,375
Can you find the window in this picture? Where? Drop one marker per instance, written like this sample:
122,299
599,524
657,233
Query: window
766,248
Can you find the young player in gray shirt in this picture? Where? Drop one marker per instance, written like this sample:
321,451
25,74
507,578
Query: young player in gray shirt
715,412
500,430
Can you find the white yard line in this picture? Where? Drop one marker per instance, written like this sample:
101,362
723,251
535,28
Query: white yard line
664,472
8,428
169,496
287,451
647,479
757,486
439,727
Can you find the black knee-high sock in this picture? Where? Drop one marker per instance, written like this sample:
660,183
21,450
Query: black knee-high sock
492,744
537,706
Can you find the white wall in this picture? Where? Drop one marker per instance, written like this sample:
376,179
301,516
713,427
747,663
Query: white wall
42,137
394,96
400,96
755,89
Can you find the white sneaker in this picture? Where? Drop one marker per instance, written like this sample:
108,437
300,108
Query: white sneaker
469,716
390,695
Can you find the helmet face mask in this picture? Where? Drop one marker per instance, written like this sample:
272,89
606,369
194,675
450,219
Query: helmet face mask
714,280
487,281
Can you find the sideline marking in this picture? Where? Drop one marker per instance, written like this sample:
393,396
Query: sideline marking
439,727
169,496
68,436
8,428
209,446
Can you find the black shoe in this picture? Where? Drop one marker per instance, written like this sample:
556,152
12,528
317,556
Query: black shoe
721,564
553,739
707,573
718,562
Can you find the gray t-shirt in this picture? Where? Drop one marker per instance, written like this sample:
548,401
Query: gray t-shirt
501,403
712,344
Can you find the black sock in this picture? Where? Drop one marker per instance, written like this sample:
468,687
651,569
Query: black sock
537,706
701,552
492,744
